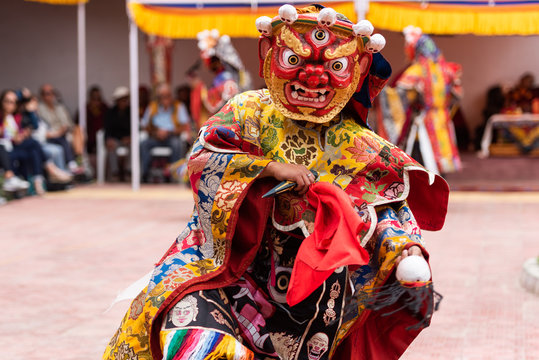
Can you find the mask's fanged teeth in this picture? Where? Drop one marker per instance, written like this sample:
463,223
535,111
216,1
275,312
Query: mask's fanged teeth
322,98
322,92
294,94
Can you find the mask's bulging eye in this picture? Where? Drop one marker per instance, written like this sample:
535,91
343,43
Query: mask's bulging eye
293,60
339,66
290,59
320,36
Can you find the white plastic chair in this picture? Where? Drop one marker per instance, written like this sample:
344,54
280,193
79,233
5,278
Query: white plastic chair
101,149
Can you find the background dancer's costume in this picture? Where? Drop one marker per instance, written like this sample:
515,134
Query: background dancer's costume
438,84
221,58
230,78
285,277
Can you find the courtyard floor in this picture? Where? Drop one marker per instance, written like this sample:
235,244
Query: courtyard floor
65,256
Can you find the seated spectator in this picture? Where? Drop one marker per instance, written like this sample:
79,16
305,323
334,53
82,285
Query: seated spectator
167,123
183,96
495,104
28,109
522,95
11,182
118,129
96,108
26,155
143,100
60,125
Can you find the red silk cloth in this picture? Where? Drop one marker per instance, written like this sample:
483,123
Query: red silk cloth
333,243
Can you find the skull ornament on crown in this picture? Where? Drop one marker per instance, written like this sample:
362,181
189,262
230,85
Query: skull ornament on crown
313,60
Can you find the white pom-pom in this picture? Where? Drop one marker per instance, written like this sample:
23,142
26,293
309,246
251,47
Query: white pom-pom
214,33
203,34
376,43
411,33
408,29
288,14
327,17
225,39
363,28
413,268
263,25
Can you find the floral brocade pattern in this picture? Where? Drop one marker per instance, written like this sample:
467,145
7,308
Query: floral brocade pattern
299,148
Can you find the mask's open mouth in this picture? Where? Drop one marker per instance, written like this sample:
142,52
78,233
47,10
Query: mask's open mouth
314,355
301,95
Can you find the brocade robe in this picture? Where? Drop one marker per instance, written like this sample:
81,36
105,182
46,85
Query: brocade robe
219,254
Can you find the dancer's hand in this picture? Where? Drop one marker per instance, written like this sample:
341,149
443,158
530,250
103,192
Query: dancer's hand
412,250
291,172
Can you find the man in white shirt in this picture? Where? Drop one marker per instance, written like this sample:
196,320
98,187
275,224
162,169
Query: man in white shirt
167,123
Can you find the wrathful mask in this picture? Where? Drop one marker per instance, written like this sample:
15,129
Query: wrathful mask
314,60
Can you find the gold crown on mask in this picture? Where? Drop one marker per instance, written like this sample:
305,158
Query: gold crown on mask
326,17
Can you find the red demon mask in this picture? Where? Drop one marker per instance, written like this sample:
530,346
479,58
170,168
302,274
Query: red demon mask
314,61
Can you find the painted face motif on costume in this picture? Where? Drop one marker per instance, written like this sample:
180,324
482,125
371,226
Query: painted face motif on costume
317,346
185,311
312,62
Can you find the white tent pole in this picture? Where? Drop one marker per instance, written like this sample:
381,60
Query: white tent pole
81,49
134,84
362,8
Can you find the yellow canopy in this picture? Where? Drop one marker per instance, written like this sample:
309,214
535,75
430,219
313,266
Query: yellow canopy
479,17
185,20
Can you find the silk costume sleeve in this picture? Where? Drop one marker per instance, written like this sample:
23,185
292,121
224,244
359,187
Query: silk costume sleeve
224,232
221,141
374,335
